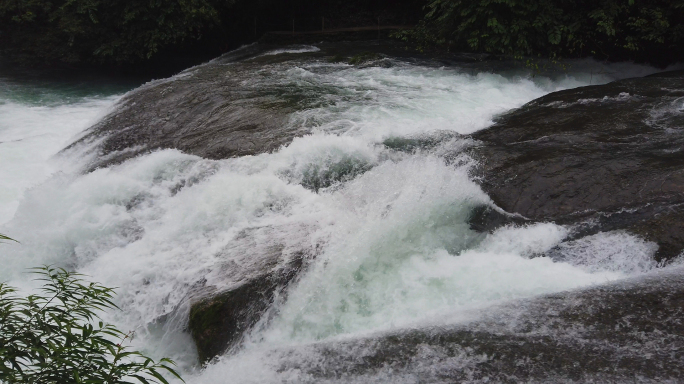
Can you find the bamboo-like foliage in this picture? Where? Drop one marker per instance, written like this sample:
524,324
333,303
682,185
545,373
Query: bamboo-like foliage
56,336
3,237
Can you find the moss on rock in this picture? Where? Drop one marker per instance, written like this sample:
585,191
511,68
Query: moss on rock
219,321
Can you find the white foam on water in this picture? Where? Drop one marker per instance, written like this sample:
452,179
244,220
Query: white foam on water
377,103
388,276
389,230
663,115
526,240
302,49
30,135
614,251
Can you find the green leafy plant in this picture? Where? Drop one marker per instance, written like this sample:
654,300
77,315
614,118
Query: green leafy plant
57,337
3,237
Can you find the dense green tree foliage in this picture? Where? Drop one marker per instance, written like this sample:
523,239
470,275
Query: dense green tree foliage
135,31
100,30
612,29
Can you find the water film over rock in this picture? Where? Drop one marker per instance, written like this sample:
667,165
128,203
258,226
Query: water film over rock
355,213
236,105
621,332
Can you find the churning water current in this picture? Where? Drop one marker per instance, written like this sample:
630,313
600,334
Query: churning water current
388,228
40,114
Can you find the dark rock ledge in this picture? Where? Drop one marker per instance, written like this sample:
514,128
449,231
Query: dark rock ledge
607,157
216,110
219,321
236,105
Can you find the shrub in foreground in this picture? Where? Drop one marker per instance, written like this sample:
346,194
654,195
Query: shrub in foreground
57,337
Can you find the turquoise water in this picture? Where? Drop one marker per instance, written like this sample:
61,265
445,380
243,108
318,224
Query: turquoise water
40,113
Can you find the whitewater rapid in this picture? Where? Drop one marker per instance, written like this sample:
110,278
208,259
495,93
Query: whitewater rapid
39,117
385,228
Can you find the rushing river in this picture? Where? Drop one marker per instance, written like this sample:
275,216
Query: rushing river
388,227
40,113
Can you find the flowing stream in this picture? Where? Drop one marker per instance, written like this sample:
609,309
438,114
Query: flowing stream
376,196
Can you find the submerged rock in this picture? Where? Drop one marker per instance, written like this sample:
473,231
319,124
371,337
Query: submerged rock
219,321
628,331
261,262
608,156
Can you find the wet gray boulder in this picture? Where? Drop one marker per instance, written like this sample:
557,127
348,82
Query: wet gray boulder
217,110
236,105
606,157
219,321
257,266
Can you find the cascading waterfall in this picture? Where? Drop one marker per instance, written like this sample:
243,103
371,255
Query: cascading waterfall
386,218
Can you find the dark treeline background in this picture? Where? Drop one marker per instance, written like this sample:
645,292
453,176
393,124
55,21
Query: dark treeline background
642,30
140,33
135,32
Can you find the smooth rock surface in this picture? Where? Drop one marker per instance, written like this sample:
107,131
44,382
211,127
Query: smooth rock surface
216,110
236,105
609,156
